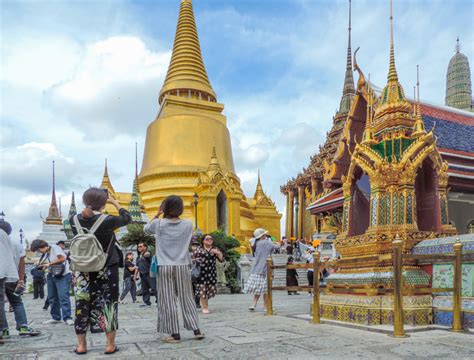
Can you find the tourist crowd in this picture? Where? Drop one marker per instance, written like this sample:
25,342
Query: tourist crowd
178,270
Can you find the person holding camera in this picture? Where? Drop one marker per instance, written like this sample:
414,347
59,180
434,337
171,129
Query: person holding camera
54,261
173,237
97,292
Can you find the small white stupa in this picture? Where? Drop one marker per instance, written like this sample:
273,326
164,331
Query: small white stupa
53,228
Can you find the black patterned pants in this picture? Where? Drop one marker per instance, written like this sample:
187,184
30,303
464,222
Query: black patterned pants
97,295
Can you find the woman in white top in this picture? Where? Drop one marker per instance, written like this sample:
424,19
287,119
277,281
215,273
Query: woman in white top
173,238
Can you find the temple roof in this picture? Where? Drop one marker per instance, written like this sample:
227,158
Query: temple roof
450,134
186,70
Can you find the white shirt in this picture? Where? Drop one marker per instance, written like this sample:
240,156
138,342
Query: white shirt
8,269
54,251
18,251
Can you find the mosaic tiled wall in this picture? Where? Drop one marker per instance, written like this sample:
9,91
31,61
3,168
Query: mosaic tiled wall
375,310
443,277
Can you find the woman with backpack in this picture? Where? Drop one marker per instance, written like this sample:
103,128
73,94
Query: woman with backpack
97,292
173,237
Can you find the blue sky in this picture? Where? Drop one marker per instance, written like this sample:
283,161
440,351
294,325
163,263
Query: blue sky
80,80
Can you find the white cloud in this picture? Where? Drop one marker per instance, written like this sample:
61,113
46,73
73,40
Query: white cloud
114,87
28,166
81,82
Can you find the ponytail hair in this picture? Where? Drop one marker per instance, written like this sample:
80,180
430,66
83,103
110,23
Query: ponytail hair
94,199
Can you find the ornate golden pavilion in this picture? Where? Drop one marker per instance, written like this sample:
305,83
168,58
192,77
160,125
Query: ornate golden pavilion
188,149
379,174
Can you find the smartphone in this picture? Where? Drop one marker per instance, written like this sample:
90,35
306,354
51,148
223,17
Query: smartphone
106,191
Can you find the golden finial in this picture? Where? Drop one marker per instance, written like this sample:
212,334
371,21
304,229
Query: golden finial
419,127
106,172
392,73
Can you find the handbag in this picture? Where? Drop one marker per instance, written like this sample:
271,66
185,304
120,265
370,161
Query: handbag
195,272
57,269
154,267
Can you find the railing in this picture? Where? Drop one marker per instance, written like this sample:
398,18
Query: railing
315,288
398,289
456,258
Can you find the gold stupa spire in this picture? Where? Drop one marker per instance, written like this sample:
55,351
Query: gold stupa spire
419,128
187,74
54,218
392,72
394,109
348,91
259,193
106,184
214,166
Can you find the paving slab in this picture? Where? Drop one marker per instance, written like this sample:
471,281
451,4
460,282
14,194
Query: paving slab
233,332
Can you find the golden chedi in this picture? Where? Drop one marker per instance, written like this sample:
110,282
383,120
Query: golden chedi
188,149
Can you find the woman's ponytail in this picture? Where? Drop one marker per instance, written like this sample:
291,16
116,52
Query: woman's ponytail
87,212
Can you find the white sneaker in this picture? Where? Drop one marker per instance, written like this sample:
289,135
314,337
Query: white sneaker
69,322
52,321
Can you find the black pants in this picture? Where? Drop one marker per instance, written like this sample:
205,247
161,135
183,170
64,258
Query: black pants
148,286
310,279
129,285
197,297
38,289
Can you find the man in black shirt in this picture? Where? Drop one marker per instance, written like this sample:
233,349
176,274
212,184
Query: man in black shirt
144,263
130,272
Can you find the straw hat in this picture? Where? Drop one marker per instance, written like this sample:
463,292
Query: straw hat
258,233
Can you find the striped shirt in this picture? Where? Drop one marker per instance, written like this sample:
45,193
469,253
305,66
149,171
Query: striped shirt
173,238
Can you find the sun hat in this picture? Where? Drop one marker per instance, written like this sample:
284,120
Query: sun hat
258,233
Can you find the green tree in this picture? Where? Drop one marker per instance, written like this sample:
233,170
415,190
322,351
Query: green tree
135,235
227,245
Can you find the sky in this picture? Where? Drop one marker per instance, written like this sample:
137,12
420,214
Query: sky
80,81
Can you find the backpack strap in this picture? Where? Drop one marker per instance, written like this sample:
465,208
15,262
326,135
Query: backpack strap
98,222
77,224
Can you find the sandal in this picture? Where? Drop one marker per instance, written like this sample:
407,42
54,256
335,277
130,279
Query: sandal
198,335
79,352
205,311
173,338
111,352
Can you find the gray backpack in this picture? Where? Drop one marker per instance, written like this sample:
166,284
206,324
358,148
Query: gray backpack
86,253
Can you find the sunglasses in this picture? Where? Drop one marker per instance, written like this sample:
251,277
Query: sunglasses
208,238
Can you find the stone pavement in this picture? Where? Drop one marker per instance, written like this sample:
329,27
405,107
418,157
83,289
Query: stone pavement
232,332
